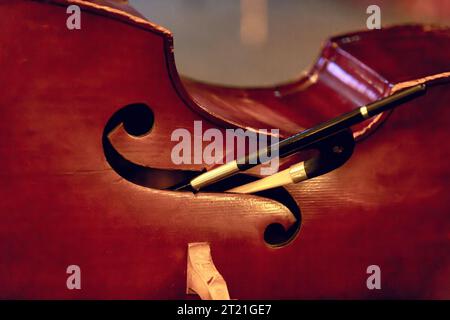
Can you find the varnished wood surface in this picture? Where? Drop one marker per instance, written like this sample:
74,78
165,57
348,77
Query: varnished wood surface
63,204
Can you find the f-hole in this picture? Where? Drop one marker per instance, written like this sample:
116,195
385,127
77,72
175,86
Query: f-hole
275,235
138,120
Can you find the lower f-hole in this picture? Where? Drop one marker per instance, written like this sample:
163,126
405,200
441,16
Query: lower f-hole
275,234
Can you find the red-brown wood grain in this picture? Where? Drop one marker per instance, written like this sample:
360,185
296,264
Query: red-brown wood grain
62,203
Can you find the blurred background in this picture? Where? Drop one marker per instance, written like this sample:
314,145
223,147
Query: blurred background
262,42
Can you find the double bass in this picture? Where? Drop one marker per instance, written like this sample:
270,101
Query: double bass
86,169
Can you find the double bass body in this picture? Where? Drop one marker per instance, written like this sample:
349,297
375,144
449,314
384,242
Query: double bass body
65,147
